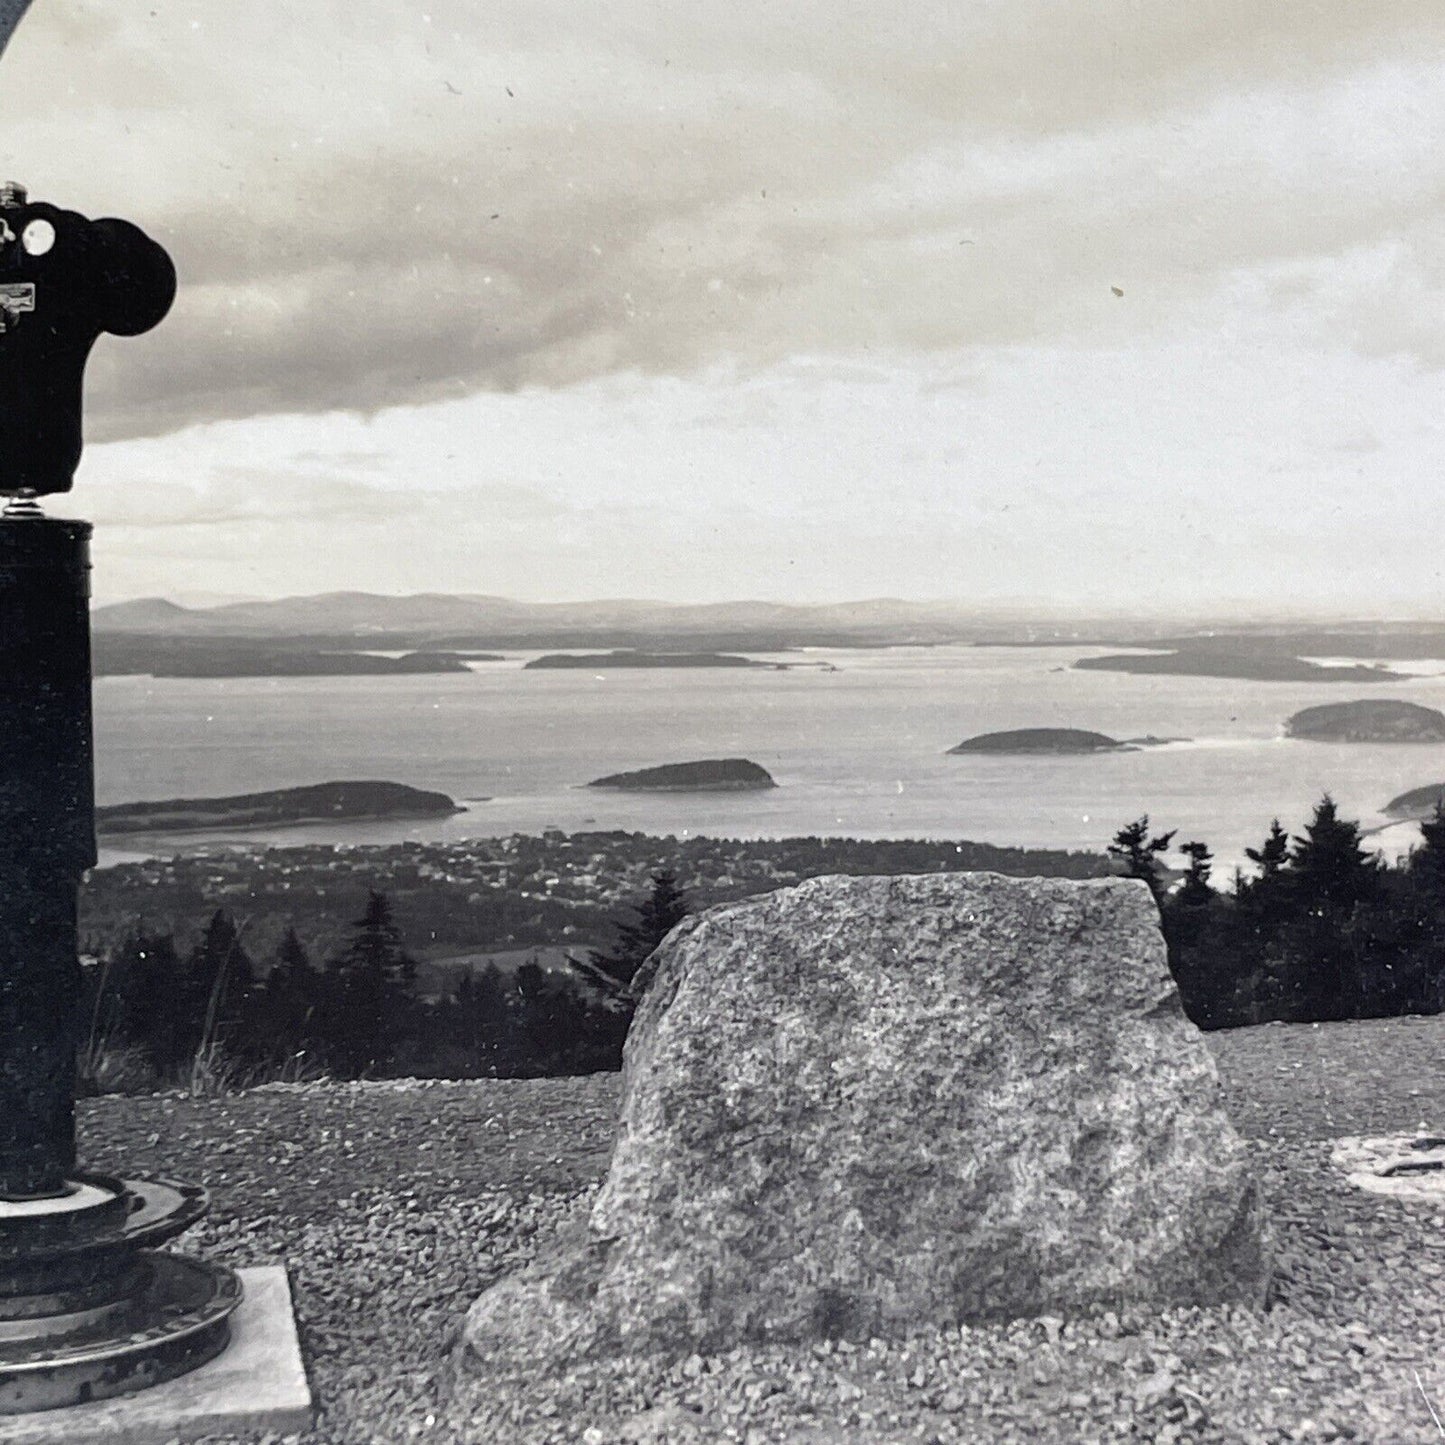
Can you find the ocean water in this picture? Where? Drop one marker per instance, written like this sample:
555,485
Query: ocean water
861,751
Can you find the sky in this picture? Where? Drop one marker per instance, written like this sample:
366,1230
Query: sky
1089,304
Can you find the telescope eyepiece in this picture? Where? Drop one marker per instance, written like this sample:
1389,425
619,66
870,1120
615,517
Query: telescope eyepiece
12,195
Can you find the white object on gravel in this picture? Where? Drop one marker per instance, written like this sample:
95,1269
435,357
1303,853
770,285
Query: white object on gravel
1405,1166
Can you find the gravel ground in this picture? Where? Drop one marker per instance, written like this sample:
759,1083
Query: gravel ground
395,1204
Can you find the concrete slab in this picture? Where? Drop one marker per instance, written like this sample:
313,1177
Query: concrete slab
256,1384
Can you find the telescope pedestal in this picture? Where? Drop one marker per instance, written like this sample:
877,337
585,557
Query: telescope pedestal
88,1309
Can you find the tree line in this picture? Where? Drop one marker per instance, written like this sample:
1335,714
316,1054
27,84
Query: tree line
1322,929
153,1015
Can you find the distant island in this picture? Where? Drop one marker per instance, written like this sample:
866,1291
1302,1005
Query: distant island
120,656
712,775
1373,720
316,803
1236,659
628,658
1041,740
1417,803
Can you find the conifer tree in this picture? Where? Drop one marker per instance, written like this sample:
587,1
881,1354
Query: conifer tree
1195,891
1272,855
657,915
1266,902
1427,862
479,1020
1332,868
1140,854
369,990
1334,882
290,999
158,985
219,992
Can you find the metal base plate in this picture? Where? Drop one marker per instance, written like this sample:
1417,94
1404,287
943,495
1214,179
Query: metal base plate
179,1320
56,1263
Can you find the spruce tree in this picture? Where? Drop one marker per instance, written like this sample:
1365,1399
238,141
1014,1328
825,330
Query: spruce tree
478,1020
657,915
1332,868
153,1019
1427,862
289,1000
1272,855
1139,853
1334,883
218,997
1195,891
369,991
1264,987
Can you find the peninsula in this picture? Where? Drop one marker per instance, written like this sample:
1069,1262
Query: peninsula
281,807
1373,720
711,775
120,656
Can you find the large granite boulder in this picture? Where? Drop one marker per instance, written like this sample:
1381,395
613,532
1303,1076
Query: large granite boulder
862,1105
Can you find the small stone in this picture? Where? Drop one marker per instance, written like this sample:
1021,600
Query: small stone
1046,1370
1153,1390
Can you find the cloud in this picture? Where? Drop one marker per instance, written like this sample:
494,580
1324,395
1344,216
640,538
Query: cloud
1160,476
378,206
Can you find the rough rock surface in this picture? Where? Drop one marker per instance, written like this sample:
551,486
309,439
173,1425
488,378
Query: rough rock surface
864,1105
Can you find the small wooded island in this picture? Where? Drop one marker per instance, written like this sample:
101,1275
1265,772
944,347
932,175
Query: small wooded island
711,775
1056,740
1372,720
1417,803
629,658
316,803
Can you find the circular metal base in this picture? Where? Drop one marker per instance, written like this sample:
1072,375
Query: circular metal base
92,1205
177,1319
69,1257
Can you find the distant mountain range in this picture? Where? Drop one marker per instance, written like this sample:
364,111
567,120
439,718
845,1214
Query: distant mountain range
435,621
431,619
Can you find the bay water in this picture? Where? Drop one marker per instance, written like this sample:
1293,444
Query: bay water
861,751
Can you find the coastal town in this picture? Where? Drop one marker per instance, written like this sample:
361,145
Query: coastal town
496,894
